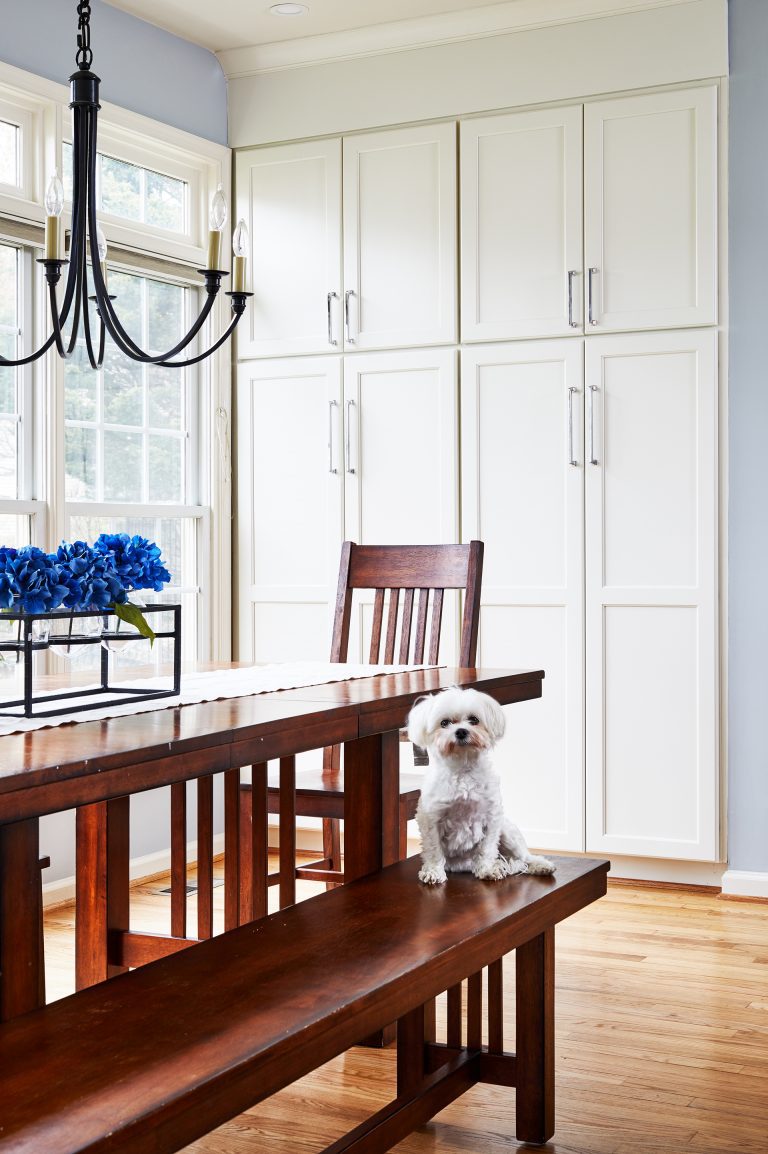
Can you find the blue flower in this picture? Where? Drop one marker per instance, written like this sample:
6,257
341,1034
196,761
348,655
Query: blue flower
136,560
30,580
79,576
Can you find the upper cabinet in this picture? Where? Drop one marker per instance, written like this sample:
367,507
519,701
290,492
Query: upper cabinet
629,243
353,242
521,225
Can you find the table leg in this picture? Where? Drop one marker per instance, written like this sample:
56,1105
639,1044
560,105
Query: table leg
535,995
371,803
21,956
101,886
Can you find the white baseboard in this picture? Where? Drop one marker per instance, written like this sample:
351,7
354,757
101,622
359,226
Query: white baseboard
745,884
63,891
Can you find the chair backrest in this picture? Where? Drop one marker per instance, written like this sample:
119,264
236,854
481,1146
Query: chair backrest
415,577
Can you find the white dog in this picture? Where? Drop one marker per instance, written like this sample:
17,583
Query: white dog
460,814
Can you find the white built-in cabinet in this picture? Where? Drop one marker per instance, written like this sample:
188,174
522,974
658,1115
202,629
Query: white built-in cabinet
627,241
353,242
586,412
589,468
361,448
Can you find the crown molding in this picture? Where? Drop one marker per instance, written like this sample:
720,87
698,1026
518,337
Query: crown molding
401,35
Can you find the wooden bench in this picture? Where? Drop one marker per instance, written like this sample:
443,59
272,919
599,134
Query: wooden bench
155,1058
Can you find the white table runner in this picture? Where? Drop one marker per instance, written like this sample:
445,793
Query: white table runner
211,686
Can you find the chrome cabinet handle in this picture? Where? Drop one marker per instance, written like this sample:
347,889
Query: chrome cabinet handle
349,293
348,438
571,274
331,406
571,453
592,458
592,274
331,341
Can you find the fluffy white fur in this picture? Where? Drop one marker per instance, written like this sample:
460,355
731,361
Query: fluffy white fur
460,814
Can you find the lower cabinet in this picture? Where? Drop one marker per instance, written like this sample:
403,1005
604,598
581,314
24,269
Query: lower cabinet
589,468
363,447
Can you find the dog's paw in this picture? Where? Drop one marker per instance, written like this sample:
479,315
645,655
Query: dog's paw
432,875
515,865
540,865
492,871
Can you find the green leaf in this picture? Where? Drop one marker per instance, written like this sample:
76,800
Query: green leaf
133,616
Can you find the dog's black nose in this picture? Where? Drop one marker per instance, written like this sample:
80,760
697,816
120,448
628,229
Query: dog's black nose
462,734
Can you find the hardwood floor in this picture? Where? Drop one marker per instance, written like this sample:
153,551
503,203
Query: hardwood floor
662,1040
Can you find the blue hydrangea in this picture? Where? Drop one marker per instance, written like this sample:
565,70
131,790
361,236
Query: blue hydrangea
31,580
79,576
136,560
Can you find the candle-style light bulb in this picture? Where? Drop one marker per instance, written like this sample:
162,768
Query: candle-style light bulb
54,206
240,252
216,221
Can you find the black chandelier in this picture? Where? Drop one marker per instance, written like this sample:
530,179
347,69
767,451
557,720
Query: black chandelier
86,234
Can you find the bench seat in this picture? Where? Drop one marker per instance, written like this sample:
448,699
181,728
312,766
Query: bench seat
153,1059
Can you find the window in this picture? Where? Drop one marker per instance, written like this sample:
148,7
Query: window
130,439
9,153
134,193
134,454
9,347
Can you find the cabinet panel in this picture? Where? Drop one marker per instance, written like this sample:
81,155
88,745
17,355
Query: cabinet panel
401,471
290,199
651,608
290,508
400,237
521,225
650,173
521,429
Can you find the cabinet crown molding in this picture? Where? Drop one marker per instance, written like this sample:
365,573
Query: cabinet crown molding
422,32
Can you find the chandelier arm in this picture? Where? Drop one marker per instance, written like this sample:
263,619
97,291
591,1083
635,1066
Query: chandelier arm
122,339
201,356
95,361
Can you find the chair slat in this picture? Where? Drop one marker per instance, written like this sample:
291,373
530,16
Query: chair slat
405,627
378,613
437,617
421,627
389,650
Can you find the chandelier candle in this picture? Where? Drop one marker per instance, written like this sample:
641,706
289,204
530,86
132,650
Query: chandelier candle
86,279
239,250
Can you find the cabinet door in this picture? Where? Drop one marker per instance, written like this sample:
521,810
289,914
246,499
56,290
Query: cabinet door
650,186
522,489
651,603
289,506
290,199
402,455
400,237
521,225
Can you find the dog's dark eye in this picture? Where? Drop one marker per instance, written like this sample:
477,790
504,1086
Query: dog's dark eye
445,723
473,720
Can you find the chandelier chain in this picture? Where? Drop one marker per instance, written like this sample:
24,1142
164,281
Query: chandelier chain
84,56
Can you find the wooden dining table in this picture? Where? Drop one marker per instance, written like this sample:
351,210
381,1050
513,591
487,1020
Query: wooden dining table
95,767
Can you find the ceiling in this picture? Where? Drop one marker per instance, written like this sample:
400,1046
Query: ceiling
228,24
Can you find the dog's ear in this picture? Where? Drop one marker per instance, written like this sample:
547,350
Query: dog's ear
495,721
417,721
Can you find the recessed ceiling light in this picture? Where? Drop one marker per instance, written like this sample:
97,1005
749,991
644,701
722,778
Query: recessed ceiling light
289,9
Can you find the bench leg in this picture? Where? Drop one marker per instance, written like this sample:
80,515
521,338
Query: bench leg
535,1099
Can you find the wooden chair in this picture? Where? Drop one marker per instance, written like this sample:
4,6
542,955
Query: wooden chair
415,578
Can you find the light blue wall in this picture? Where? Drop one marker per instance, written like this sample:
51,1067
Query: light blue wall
141,67
748,438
